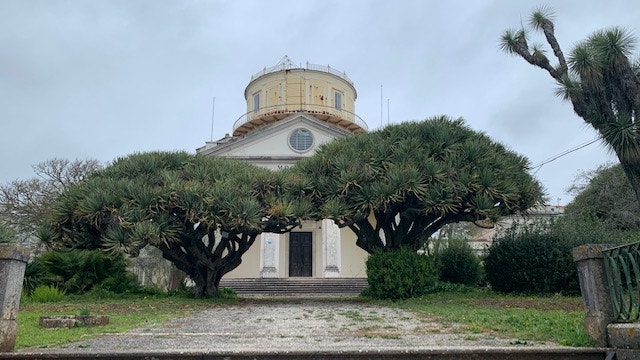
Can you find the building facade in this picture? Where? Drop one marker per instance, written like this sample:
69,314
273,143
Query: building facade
292,110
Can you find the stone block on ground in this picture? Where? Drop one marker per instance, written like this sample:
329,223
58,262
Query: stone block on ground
69,321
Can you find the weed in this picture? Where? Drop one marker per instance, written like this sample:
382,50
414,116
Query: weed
84,311
47,294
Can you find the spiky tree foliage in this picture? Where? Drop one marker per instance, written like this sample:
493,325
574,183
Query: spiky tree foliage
599,79
203,213
397,186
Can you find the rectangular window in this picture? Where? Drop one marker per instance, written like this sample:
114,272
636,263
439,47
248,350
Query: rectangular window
256,102
338,100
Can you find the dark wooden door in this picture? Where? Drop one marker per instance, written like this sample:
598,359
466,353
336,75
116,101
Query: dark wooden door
300,254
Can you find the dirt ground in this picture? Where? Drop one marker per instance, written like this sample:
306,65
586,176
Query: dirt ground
294,325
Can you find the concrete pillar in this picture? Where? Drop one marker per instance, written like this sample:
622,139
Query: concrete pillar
269,255
13,260
330,248
595,291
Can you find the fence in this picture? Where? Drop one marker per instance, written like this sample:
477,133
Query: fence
623,278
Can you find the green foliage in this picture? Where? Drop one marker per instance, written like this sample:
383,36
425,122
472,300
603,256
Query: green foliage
399,274
24,204
47,294
121,282
408,180
459,264
176,202
227,293
527,260
34,276
78,271
599,79
84,311
604,199
7,235
529,319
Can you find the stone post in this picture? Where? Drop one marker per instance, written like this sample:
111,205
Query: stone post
595,291
13,260
269,248
330,248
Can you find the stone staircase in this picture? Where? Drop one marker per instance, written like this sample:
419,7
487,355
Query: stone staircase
296,286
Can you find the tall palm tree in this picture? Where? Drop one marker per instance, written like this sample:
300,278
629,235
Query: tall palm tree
599,79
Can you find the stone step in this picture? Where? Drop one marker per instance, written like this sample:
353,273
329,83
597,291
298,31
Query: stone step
283,286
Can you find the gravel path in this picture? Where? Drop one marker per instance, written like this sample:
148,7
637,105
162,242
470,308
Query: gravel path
292,325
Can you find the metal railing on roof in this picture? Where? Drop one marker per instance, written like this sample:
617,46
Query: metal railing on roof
288,65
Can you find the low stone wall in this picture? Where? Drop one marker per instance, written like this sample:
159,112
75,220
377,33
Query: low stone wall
153,270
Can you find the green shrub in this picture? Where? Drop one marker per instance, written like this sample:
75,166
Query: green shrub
99,293
34,276
78,271
46,294
459,264
399,274
227,293
531,262
121,282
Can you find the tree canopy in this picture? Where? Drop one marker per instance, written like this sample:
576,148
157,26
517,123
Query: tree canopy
203,213
606,199
599,79
7,235
25,203
397,186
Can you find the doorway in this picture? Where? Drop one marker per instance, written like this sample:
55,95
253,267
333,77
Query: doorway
300,253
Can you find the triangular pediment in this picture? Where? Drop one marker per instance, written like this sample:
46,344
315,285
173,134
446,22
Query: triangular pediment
273,141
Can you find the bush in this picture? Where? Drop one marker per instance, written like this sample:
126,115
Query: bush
34,276
459,264
46,294
399,274
78,271
531,262
121,282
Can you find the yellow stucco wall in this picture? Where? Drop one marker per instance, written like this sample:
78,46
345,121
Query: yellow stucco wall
353,258
299,89
250,265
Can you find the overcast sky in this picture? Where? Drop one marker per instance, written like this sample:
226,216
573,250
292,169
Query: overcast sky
104,79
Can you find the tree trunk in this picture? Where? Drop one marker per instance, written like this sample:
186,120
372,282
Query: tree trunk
633,174
206,282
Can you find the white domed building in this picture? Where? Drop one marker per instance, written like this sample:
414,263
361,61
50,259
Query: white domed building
291,110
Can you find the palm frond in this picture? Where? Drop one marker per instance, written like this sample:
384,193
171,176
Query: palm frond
611,44
509,41
541,18
567,87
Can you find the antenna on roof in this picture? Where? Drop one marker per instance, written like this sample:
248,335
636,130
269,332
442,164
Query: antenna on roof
213,112
388,112
381,106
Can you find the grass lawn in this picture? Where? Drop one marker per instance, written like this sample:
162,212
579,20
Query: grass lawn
530,319
557,319
124,314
